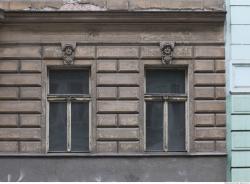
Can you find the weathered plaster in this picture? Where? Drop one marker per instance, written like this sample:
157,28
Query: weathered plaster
119,169
98,5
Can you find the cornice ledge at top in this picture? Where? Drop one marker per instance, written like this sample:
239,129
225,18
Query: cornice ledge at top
114,17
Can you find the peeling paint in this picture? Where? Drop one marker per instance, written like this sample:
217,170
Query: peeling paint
97,179
101,5
66,5
19,179
158,169
78,6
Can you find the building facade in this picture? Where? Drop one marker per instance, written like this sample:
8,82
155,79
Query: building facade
238,41
107,90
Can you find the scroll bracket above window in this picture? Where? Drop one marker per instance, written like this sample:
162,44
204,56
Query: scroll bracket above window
167,50
68,50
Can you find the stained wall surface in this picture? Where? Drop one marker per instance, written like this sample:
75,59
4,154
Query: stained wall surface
117,57
117,53
104,5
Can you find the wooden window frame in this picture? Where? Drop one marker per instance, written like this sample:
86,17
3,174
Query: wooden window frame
68,98
165,98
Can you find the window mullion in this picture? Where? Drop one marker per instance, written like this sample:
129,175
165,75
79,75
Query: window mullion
165,125
68,125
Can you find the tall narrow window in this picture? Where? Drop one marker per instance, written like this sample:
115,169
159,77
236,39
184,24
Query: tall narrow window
165,110
69,100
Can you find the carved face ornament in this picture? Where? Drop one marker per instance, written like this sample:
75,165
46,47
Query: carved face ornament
68,50
68,54
167,49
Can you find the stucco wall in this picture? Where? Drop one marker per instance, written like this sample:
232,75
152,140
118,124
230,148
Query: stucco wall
116,169
238,57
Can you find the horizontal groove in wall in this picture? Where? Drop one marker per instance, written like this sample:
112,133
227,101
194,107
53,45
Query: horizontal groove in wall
18,57
118,112
117,126
115,43
20,99
115,85
209,112
20,85
240,130
209,85
125,72
212,154
115,98
210,126
22,112
239,93
207,72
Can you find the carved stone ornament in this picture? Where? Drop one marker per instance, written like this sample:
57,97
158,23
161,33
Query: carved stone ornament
167,50
68,53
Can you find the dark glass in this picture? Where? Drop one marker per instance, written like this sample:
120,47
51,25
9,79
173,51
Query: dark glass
165,81
69,82
154,126
176,126
58,126
80,126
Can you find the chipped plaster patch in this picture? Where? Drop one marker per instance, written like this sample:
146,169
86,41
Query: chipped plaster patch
65,5
78,6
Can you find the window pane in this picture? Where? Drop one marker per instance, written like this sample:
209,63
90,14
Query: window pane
69,81
80,126
165,81
176,126
58,126
154,126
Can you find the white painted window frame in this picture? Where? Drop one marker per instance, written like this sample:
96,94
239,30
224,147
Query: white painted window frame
234,88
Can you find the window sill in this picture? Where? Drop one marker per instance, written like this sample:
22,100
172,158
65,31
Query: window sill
173,154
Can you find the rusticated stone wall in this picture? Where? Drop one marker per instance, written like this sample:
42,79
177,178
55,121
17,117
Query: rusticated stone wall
118,94
117,40
117,53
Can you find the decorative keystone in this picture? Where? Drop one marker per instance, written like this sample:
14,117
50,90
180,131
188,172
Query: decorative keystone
68,50
167,50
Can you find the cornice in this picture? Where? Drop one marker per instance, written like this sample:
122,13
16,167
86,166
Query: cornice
113,17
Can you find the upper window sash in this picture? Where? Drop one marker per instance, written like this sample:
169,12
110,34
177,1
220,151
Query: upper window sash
165,81
69,82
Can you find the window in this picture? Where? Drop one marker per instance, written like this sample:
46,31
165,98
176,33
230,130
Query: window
165,101
69,102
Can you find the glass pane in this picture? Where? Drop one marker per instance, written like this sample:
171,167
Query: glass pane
154,126
69,82
176,126
58,126
165,81
80,126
